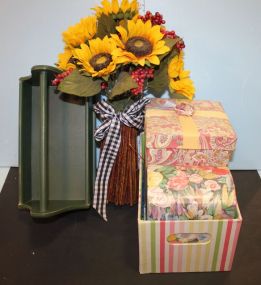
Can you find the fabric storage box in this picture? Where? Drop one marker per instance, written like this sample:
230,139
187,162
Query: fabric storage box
190,193
186,245
183,132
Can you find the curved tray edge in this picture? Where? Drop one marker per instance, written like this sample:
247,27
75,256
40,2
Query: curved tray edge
51,213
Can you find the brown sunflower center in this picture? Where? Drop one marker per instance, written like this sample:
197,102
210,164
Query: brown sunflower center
100,61
139,46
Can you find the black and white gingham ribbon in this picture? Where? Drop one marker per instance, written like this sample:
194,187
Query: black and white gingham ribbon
133,116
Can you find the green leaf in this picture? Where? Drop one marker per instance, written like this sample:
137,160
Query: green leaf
221,180
231,211
173,94
123,84
85,73
80,85
166,169
160,82
211,210
163,184
121,104
106,77
106,26
183,217
169,175
124,24
170,43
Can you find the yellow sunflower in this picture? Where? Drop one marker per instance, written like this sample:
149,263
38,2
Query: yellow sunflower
141,42
176,65
179,80
76,35
126,9
64,60
96,58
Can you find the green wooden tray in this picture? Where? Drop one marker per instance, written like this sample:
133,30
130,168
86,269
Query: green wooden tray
57,152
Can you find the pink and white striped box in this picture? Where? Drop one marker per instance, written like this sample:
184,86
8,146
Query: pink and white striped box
159,254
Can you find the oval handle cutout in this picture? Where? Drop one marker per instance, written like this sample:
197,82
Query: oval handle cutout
188,238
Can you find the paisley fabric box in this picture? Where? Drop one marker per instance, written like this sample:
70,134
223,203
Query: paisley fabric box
185,245
190,193
204,137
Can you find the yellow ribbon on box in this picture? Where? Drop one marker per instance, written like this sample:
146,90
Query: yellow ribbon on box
211,114
190,131
189,128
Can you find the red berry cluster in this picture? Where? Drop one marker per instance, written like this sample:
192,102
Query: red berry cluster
104,85
156,19
168,34
180,45
59,77
140,75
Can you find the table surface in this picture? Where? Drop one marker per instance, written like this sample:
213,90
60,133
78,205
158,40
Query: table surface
80,248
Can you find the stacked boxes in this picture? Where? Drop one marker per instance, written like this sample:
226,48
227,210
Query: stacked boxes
189,219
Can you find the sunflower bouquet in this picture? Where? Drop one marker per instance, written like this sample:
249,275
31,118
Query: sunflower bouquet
122,55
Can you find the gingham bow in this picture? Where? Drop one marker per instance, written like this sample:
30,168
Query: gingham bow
133,116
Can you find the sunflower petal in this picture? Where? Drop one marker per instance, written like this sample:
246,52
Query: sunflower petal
64,60
106,7
134,5
79,33
155,34
154,60
117,41
141,61
115,6
184,74
132,28
125,5
123,33
184,87
176,66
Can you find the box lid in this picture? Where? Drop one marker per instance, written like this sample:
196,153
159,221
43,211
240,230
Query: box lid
190,193
170,124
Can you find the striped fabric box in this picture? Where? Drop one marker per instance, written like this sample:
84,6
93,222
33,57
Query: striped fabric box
185,245
158,255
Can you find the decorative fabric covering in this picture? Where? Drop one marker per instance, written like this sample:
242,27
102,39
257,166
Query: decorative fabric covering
207,127
190,193
197,157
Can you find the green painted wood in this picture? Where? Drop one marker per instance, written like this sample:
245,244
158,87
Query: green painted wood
24,141
54,207
87,153
57,155
44,140
93,143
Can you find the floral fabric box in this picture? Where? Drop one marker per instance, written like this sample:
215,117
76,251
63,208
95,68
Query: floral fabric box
188,245
183,132
190,193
